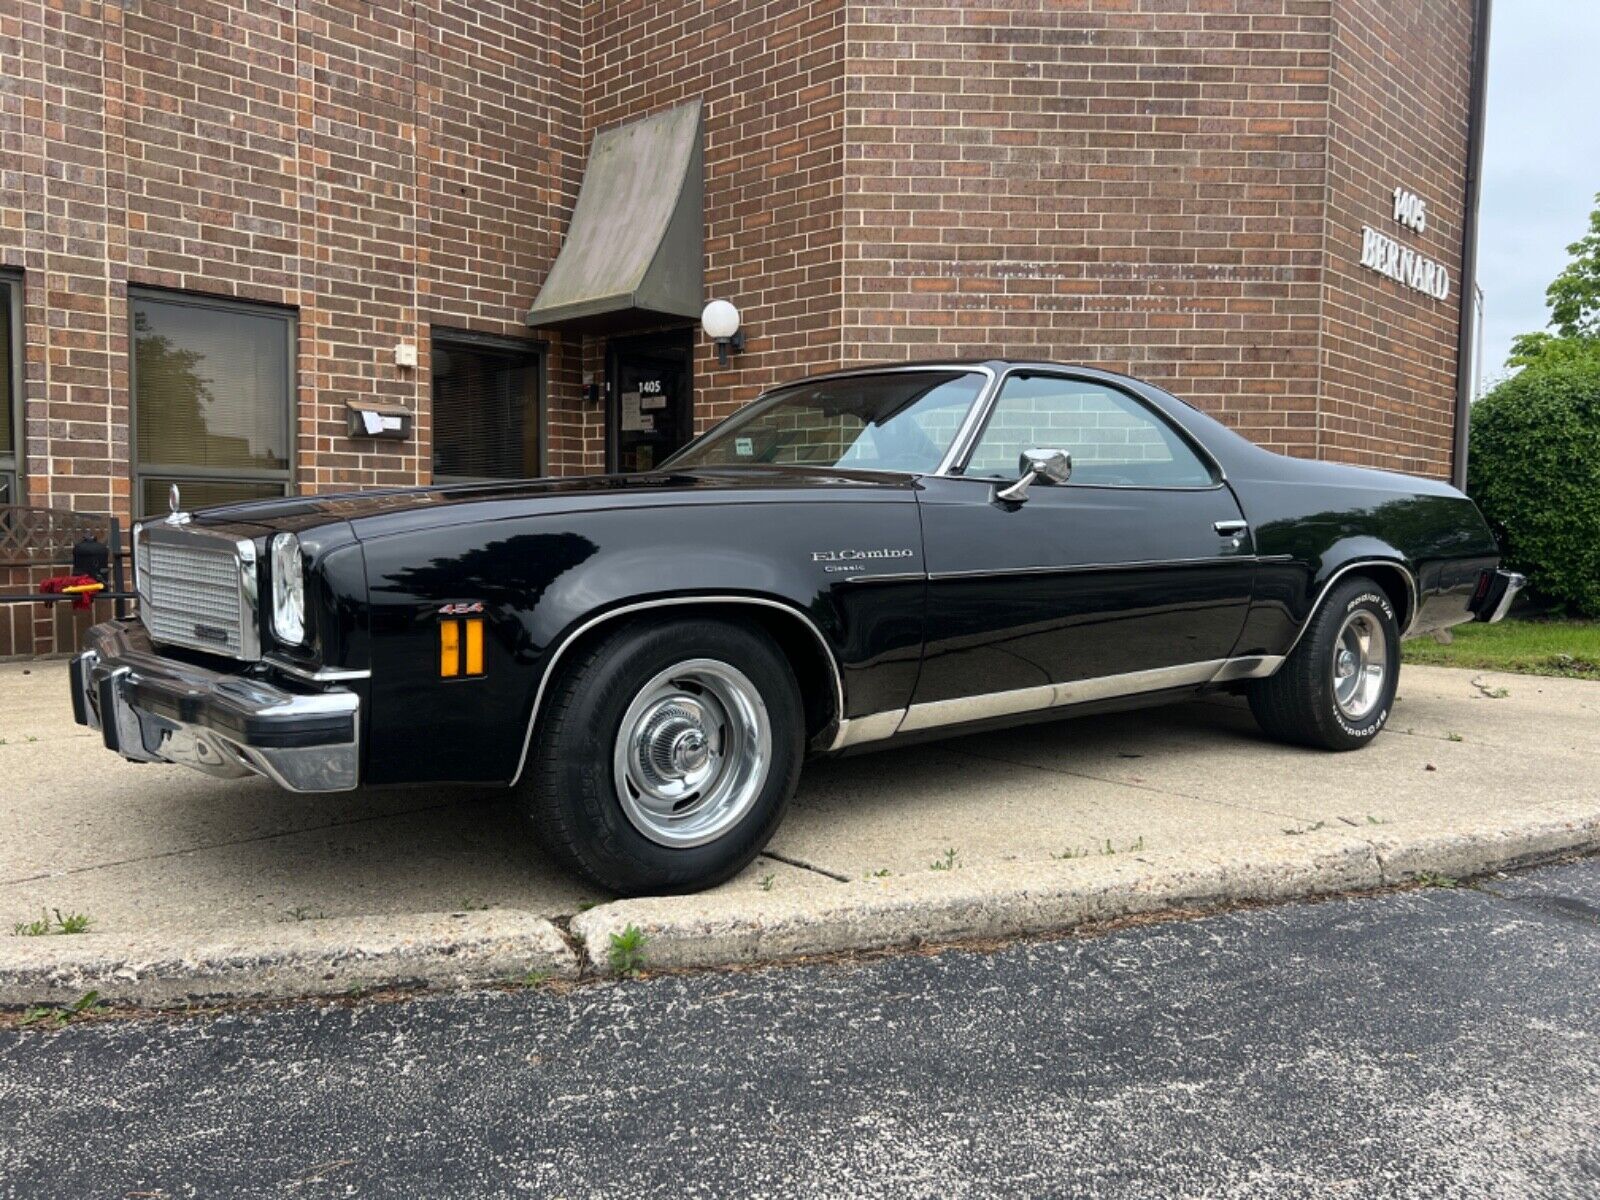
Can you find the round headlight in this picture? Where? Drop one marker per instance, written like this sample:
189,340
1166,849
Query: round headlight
288,590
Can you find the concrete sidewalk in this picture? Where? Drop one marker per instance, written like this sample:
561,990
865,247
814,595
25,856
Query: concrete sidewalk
203,887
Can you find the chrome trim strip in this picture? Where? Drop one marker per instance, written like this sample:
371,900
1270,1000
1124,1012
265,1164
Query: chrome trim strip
965,709
1411,585
902,577
1257,666
320,675
1216,560
971,423
875,727
670,602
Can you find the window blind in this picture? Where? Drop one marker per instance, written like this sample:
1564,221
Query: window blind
485,412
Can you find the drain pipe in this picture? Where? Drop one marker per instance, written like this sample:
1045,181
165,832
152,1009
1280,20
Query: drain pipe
1469,242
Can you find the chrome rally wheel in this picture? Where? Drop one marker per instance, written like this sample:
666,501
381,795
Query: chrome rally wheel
667,754
1360,665
692,752
1336,688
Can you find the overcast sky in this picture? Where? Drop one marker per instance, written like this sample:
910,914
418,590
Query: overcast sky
1541,165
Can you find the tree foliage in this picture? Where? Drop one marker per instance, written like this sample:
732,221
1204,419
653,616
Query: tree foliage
1534,469
1573,298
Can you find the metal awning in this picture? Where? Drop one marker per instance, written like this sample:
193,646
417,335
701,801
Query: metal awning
634,251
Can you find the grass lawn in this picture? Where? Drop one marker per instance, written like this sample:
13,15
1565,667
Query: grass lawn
1570,648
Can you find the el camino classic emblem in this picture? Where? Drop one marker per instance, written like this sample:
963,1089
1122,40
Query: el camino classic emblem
855,560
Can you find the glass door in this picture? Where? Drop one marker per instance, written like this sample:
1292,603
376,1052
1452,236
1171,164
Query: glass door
650,400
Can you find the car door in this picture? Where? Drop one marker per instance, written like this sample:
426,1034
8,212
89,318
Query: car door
1133,576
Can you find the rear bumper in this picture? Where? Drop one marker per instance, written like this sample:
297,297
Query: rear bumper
154,709
1495,597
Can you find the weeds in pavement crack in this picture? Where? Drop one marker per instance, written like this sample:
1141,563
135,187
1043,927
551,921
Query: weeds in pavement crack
1432,879
626,951
86,1005
71,922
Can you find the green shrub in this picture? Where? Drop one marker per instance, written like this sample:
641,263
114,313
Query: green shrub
1534,468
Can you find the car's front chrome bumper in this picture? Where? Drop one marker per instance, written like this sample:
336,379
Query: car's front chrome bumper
154,709
1497,594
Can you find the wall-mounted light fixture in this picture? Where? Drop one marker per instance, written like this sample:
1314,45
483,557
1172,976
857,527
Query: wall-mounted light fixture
720,320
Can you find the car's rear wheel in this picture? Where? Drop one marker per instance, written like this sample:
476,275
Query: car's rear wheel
1337,688
666,755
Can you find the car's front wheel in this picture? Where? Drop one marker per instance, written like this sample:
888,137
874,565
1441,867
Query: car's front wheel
666,755
1337,688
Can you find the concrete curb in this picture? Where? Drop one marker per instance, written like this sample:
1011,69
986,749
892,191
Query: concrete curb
324,957
332,957
720,929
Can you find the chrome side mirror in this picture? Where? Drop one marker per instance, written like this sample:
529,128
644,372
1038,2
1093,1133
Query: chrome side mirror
1052,466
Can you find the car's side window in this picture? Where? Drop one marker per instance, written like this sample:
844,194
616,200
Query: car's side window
1113,439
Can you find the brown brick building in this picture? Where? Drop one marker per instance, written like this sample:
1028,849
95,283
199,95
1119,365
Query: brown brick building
227,226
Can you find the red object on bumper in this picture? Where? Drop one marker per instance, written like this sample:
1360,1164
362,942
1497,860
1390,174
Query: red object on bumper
69,584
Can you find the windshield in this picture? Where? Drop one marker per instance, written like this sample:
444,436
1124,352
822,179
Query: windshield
895,421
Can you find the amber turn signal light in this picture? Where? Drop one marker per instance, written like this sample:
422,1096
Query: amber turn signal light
461,648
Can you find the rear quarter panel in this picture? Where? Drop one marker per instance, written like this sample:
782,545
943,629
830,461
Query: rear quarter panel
1308,529
1309,519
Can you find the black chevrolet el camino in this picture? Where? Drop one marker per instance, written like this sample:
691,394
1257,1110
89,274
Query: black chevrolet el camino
853,560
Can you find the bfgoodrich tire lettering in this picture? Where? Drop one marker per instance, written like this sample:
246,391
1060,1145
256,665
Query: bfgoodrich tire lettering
622,750
1337,689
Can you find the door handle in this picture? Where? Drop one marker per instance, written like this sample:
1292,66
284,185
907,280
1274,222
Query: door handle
1230,528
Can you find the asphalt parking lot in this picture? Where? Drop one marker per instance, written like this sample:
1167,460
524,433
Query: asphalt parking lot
1436,1043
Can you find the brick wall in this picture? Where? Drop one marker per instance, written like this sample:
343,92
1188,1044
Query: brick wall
1136,185
379,167
1401,74
1173,188
771,77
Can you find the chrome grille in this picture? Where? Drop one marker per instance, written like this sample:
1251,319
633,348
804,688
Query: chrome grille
190,594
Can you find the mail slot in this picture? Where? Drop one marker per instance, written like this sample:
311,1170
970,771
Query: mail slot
378,420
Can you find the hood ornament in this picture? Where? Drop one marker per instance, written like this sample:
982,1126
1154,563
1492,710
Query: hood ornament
175,514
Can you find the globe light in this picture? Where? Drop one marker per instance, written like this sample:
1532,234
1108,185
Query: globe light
720,320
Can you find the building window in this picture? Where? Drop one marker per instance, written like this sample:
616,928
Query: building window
486,418
10,390
212,400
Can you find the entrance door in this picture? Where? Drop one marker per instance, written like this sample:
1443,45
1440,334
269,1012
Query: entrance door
650,401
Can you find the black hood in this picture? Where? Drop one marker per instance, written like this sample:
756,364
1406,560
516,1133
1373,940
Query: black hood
373,513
